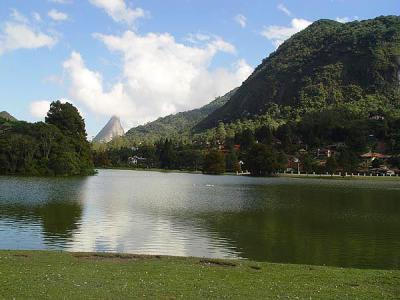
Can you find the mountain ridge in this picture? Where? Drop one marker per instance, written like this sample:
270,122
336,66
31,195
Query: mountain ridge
177,124
5,115
319,65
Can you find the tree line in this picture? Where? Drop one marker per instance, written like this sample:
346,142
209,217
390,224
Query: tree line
57,146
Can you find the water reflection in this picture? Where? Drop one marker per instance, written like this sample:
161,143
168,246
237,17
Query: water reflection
35,212
338,223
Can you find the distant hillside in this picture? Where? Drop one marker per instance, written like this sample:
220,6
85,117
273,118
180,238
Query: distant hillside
5,115
177,124
111,130
328,63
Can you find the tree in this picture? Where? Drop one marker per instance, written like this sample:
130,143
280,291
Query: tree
67,118
168,156
214,163
58,147
232,162
331,165
264,135
262,160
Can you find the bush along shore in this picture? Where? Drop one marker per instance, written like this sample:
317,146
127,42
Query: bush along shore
56,275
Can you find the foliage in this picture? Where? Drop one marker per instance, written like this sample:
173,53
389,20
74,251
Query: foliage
175,126
214,163
57,147
327,64
264,160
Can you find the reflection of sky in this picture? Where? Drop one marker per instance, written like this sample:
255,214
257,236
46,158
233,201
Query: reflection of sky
124,213
20,236
140,233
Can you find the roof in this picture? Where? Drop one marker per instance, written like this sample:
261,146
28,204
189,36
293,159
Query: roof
374,155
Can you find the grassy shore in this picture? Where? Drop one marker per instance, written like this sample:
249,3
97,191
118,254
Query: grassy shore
286,175
56,275
336,177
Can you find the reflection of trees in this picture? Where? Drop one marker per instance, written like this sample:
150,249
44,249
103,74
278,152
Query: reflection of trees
355,227
55,204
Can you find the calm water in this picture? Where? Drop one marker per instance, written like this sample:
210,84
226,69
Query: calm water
341,223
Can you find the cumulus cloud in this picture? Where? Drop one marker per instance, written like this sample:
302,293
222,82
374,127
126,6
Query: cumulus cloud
57,15
278,34
241,20
38,109
18,33
119,11
284,9
160,76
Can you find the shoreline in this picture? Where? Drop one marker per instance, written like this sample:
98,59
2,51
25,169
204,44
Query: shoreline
279,175
55,274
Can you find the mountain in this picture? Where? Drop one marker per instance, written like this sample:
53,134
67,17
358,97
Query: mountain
177,124
5,115
112,129
328,63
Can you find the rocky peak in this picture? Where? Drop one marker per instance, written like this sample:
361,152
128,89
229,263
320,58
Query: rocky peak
112,130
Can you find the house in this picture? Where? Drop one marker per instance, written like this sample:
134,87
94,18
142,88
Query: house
135,160
374,155
324,153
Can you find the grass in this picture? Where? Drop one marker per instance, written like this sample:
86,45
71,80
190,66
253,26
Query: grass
56,275
312,176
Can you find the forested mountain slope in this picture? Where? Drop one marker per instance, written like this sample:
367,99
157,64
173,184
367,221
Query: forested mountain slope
178,124
328,63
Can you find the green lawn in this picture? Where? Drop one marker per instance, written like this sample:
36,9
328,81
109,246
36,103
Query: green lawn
55,275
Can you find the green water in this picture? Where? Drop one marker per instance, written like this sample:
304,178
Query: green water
324,222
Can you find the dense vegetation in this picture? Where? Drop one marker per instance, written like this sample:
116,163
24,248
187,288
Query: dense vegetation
327,64
57,146
177,125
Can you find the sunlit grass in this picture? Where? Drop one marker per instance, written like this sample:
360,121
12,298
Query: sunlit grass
55,275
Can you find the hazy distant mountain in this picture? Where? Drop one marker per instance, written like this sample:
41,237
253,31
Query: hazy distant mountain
112,129
5,115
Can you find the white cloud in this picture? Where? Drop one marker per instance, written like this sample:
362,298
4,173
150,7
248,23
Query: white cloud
38,109
19,34
160,77
57,15
278,34
197,38
241,20
119,11
346,19
284,9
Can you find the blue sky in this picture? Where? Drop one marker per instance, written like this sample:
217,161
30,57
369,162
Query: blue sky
144,59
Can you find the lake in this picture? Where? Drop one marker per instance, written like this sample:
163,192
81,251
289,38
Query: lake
348,223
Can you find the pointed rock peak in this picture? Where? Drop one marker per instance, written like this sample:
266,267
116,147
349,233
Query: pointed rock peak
112,130
5,115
